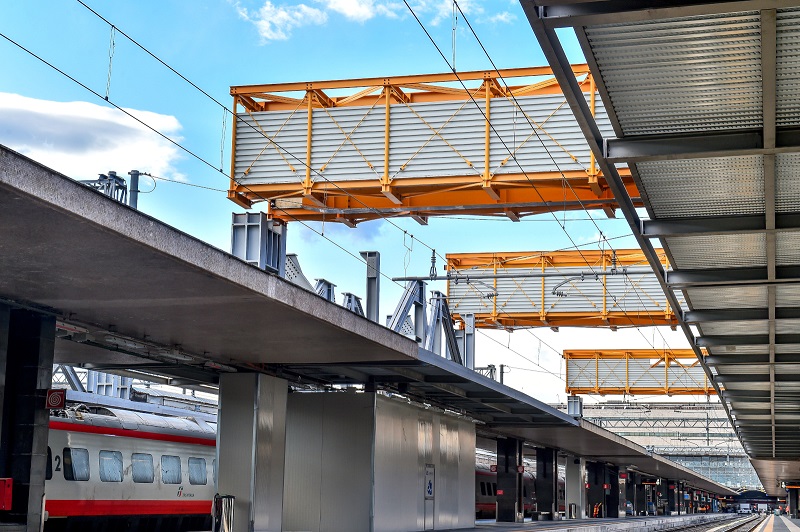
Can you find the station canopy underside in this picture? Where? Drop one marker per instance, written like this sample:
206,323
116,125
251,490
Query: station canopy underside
499,143
704,101
587,288
129,292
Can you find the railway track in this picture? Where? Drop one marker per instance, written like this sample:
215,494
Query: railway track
742,524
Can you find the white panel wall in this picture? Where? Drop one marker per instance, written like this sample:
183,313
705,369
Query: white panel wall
348,142
407,438
328,481
250,448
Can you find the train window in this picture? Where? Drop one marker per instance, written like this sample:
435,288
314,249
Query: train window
142,468
197,471
525,491
171,469
494,488
110,466
49,470
76,463
483,488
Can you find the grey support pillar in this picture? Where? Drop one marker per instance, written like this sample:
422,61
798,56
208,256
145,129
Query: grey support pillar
792,499
612,492
546,481
596,493
671,493
27,341
622,491
509,481
251,448
640,497
576,488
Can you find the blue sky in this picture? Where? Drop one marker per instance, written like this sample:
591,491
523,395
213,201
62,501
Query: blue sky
219,43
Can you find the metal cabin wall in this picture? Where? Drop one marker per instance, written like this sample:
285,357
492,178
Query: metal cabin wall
630,293
413,145
406,439
328,479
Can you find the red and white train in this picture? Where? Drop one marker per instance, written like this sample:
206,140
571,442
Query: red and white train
486,490
129,471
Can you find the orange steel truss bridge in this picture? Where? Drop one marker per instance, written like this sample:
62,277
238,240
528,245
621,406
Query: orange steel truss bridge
635,372
419,146
553,289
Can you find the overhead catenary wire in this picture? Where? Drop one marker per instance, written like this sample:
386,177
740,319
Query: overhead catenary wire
177,144
193,154
488,56
512,155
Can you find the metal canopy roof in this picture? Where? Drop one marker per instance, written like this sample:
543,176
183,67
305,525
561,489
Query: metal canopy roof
69,250
705,103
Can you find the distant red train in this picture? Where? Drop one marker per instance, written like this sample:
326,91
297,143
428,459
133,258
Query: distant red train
486,490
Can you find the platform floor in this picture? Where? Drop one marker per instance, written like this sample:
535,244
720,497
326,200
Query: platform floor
597,525
779,524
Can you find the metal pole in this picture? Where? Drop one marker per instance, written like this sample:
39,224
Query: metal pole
502,371
133,192
373,260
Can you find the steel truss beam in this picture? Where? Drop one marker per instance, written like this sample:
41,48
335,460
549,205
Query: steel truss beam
484,187
745,339
656,148
730,277
718,225
591,12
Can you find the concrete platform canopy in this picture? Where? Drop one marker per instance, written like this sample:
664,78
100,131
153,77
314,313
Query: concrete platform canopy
183,309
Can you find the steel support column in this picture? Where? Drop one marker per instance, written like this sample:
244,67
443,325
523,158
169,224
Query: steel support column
547,481
251,441
27,342
509,481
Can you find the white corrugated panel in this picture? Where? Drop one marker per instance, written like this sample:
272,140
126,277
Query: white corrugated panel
704,187
787,295
789,326
787,248
683,74
426,140
739,350
735,327
718,251
728,297
787,182
626,292
788,67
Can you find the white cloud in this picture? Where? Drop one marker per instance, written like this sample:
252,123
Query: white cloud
275,23
503,18
82,140
362,10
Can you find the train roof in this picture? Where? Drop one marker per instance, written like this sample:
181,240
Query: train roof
126,419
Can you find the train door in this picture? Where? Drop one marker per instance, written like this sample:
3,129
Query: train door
429,494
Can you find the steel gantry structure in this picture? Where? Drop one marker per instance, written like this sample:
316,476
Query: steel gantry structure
635,372
588,288
498,143
704,99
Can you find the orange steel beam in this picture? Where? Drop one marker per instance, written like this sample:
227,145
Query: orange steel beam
683,358
534,259
476,192
602,314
